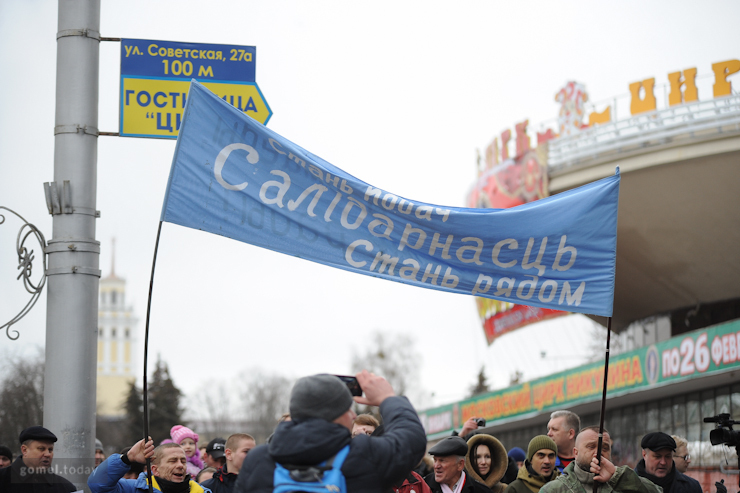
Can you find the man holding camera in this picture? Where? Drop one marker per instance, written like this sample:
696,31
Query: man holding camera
320,426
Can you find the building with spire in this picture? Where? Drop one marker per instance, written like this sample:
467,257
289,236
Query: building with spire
116,338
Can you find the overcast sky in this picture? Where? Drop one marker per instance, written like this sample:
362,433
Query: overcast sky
398,94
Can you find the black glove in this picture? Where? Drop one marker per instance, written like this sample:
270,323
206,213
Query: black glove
721,488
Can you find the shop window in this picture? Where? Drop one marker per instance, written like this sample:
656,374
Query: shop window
735,402
652,422
666,417
679,415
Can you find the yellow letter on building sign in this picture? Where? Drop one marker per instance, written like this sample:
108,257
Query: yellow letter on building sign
597,118
689,94
648,102
723,87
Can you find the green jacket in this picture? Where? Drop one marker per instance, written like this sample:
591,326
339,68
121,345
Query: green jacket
625,480
527,482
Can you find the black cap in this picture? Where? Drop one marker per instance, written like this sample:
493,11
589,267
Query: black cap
658,440
216,448
5,452
37,433
450,446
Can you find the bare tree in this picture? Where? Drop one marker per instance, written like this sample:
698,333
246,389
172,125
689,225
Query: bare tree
21,396
265,398
215,411
394,357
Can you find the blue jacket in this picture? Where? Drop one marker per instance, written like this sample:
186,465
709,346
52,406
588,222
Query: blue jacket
107,478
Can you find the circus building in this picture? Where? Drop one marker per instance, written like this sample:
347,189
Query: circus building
675,358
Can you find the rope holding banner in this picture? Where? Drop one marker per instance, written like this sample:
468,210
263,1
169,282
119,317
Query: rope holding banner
603,397
145,388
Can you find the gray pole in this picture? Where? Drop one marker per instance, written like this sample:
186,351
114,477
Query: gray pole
73,274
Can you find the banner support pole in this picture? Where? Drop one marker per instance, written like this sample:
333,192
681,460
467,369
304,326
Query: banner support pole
145,388
603,397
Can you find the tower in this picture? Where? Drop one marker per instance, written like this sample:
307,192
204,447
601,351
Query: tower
116,337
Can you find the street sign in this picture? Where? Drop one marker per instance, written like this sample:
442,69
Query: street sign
155,77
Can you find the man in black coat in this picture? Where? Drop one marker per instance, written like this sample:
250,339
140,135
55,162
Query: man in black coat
657,465
449,464
31,472
320,426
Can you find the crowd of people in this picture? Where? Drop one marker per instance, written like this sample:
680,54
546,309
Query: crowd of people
322,432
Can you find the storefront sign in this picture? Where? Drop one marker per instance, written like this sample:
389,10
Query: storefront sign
702,352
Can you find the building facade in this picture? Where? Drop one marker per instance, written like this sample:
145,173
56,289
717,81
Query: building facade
668,385
116,342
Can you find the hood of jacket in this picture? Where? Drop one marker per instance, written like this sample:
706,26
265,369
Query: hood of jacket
499,459
533,480
307,442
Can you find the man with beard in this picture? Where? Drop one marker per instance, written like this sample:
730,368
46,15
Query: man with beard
169,471
449,464
539,466
657,465
32,470
580,474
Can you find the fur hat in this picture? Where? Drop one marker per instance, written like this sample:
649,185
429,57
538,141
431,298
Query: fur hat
538,443
180,433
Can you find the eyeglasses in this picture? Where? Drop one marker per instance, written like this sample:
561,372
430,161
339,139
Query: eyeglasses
686,457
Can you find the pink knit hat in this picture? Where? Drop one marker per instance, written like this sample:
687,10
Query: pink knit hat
180,433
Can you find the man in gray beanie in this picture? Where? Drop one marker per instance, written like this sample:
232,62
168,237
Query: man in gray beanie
320,425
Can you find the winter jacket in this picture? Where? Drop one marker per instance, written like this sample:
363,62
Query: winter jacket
528,481
499,462
413,483
107,478
624,480
681,482
470,485
195,464
222,481
559,465
373,465
14,479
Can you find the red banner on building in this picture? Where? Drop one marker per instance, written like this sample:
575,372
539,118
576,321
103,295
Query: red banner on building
505,182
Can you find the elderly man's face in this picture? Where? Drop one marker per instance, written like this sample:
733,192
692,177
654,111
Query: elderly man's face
38,453
172,466
447,469
658,462
587,443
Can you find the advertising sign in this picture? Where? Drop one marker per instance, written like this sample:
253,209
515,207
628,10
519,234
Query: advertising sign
156,75
506,182
702,352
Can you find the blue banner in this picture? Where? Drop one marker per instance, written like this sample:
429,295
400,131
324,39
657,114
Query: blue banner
234,177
